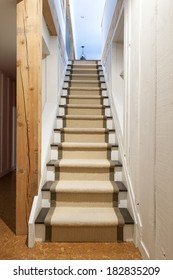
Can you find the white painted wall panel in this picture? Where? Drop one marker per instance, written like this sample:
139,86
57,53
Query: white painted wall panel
148,130
164,131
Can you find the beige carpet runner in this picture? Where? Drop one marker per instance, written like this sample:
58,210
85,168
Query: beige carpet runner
84,197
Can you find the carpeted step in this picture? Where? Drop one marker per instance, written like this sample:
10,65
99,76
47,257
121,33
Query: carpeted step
83,76
95,135
84,224
84,90
84,193
85,121
88,109
84,99
85,83
88,71
84,66
85,150
78,169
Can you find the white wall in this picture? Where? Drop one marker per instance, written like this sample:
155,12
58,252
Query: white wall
107,18
118,80
7,124
147,139
164,131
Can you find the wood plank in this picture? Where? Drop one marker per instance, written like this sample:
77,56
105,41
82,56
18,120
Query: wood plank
29,61
48,18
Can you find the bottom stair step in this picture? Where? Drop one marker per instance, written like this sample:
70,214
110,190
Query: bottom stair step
70,227
84,224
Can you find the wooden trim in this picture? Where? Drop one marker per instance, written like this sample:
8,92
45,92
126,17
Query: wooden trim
29,61
48,18
115,19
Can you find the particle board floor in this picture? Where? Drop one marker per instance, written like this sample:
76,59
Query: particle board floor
14,247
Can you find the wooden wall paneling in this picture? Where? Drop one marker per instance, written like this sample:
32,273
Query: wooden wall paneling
48,18
29,61
1,108
4,126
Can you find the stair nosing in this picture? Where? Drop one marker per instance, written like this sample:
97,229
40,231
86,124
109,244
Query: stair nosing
86,163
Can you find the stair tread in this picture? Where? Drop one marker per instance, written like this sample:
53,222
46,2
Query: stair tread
47,186
126,215
84,88
128,220
84,216
83,130
84,96
84,163
84,145
94,106
121,186
84,187
85,117
84,75
42,215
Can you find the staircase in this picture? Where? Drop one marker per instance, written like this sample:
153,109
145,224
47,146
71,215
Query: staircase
85,198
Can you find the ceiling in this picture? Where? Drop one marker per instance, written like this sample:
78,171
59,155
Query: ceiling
8,37
86,24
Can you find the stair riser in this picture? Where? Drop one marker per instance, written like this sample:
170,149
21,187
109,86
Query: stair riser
77,199
73,173
84,137
84,234
83,92
79,100
80,123
84,71
40,234
84,111
85,153
80,66
57,153
86,200
84,84
85,123
93,101
83,77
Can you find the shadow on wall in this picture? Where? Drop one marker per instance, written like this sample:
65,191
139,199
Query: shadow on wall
7,200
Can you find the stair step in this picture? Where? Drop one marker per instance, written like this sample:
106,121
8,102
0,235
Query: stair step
42,215
47,186
126,215
85,76
80,89
84,150
83,224
84,145
78,169
74,163
85,187
86,99
88,109
85,117
121,186
84,193
96,135
44,211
